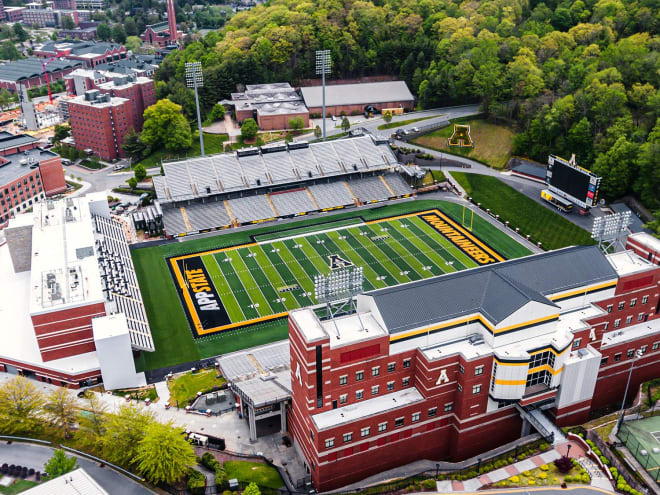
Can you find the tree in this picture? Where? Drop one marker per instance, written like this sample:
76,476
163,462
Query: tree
103,32
252,489
345,124
59,464
5,98
118,33
163,454
218,112
132,182
20,33
165,126
92,425
123,433
61,132
133,145
130,27
133,43
387,116
296,124
20,405
8,51
487,82
61,410
140,172
318,132
68,22
249,129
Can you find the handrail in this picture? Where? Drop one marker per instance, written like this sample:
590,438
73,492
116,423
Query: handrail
89,456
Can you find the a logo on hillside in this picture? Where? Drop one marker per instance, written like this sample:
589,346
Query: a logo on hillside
335,261
461,137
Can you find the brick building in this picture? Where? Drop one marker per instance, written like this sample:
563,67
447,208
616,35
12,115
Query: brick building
35,15
89,53
27,174
63,299
164,33
30,72
13,14
645,246
100,121
449,367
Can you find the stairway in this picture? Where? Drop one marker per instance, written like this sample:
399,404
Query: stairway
548,425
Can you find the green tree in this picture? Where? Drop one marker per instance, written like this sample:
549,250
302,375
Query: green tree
345,124
68,23
123,432
20,33
132,182
59,464
249,129
140,172
130,27
118,33
92,424
616,168
252,489
133,43
133,145
103,32
61,410
487,82
8,51
5,98
163,454
296,124
217,112
387,116
61,132
647,184
21,403
165,126
318,132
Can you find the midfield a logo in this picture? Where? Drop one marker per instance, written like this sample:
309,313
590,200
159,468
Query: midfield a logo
335,261
461,137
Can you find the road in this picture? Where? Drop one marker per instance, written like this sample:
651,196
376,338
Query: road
36,456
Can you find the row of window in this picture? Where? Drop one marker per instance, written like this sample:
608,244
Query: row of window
617,322
622,304
630,353
375,371
398,422
19,185
375,390
479,370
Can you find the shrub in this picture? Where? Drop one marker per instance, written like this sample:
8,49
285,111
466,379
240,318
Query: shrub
543,446
531,482
604,460
221,478
527,473
543,475
555,481
521,456
568,479
209,461
585,478
410,488
196,482
429,484
510,460
545,467
563,464
514,479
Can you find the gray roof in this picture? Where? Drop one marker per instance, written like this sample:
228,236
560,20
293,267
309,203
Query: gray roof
357,94
496,291
32,67
9,140
13,168
530,169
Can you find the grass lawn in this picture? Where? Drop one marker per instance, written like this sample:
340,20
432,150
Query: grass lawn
433,175
17,487
213,143
87,163
186,386
547,475
399,123
532,218
492,143
262,474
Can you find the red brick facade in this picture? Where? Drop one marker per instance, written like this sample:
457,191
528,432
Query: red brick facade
142,95
357,109
52,175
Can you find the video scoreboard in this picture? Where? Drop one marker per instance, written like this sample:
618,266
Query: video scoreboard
572,182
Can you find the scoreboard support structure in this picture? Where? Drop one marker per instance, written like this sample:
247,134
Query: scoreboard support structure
570,181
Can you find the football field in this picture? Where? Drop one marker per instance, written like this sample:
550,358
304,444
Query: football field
247,284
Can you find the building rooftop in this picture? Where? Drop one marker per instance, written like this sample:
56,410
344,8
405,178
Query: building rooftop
271,99
495,290
366,408
471,347
250,363
159,27
32,67
647,240
79,47
356,94
351,329
282,108
627,263
19,164
76,482
98,100
630,333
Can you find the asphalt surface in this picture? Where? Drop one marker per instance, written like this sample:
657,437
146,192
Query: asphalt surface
36,456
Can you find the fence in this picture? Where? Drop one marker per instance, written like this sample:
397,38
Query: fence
648,459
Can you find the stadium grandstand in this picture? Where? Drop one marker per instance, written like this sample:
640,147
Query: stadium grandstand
276,181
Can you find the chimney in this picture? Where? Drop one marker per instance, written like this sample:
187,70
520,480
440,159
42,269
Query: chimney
171,20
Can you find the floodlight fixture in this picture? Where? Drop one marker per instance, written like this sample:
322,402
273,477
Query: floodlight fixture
195,79
608,229
323,67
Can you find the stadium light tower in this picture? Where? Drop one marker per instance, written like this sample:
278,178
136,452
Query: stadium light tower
195,79
338,291
608,229
323,66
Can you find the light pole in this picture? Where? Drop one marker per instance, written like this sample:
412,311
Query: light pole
323,64
637,354
194,79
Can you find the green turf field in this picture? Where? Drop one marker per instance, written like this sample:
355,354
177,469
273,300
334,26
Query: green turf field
643,435
267,271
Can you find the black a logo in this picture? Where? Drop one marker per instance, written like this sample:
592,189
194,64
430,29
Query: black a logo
337,261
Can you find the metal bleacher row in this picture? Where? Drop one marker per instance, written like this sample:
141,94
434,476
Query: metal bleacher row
268,165
198,217
120,281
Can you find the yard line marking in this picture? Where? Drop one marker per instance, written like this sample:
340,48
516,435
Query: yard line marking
239,260
272,274
212,266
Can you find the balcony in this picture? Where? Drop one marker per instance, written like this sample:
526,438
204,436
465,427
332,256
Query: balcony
537,394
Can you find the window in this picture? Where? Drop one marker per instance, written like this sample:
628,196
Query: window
633,302
433,411
398,422
375,389
311,435
390,386
607,324
609,308
460,387
479,370
391,367
449,406
329,442
343,380
630,353
640,316
628,320
576,343
643,349
415,417
359,394
617,323
348,437
617,357
603,361
382,426
406,363
622,304
461,369
364,432
655,346
375,371
476,389
359,375
343,398
645,299
405,382
543,377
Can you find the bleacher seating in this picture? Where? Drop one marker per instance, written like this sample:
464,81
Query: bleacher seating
254,170
304,161
331,195
374,156
397,184
160,186
292,203
327,158
173,221
228,171
204,216
203,177
349,155
369,189
251,208
280,167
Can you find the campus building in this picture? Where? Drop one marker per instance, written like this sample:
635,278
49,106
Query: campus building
27,174
34,14
88,53
29,72
449,367
165,33
72,312
99,122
